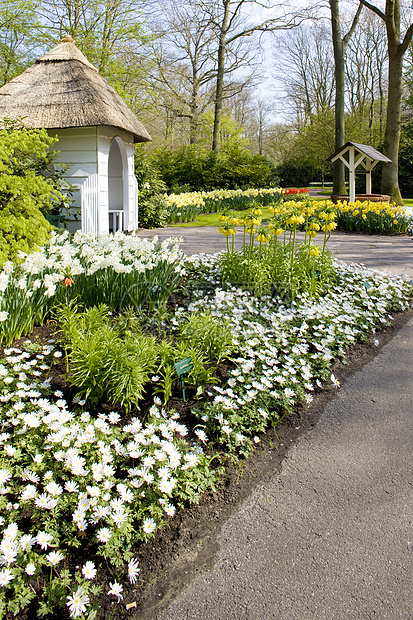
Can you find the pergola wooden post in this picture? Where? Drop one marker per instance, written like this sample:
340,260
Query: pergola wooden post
354,155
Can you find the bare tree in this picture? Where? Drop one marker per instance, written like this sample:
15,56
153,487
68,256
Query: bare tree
233,25
241,105
185,66
307,72
366,77
186,50
281,142
109,32
259,125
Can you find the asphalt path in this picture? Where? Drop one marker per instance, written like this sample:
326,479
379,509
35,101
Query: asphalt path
331,535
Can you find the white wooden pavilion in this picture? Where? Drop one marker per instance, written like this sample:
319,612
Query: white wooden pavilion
64,93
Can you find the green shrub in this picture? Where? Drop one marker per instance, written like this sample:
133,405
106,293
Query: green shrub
152,210
25,191
293,174
152,205
192,168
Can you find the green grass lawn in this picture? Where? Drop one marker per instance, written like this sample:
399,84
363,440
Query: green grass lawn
212,219
324,196
209,219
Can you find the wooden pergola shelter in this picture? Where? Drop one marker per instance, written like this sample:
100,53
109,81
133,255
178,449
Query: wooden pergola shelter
354,155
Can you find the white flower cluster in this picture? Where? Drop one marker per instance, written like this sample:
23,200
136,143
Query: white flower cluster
117,270
85,474
88,254
285,351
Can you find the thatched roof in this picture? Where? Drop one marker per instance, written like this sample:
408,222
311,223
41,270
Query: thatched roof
63,89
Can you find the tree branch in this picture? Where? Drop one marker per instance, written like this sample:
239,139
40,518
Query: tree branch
406,40
268,26
374,9
347,37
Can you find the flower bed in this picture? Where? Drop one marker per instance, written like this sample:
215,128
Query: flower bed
186,207
361,216
117,270
84,482
373,217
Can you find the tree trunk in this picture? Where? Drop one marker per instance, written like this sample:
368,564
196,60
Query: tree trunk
396,49
339,180
193,107
220,78
390,171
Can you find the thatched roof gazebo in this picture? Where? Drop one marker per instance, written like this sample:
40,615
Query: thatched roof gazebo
64,93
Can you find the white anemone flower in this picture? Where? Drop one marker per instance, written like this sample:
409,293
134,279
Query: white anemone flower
149,526
54,557
30,568
5,577
104,534
133,570
89,571
116,590
77,603
44,539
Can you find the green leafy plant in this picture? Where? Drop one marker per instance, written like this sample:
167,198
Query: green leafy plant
286,267
101,362
152,205
212,336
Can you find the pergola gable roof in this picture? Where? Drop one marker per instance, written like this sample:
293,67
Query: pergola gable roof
367,150
358,155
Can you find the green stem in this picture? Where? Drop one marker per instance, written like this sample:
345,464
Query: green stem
326,238
292,258
293,243
275,246
251,246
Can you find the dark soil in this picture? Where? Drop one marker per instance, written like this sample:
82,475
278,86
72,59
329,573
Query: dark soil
187,545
